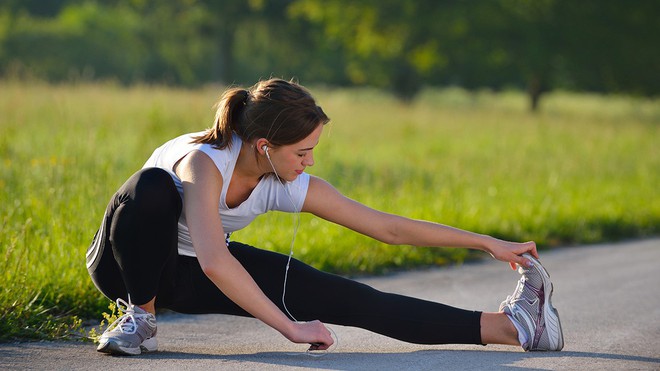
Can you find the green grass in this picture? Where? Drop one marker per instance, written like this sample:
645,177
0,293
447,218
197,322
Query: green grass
583,170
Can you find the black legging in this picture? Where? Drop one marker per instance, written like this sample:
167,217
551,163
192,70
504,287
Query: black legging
135,251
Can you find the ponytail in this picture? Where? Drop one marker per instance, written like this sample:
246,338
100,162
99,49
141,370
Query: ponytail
230,110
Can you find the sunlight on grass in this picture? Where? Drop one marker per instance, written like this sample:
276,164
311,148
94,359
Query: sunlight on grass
583,170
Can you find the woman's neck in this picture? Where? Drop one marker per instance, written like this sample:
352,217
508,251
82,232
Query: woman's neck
247,165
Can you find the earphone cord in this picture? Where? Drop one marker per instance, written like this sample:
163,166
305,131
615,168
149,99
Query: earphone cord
288,262
295,232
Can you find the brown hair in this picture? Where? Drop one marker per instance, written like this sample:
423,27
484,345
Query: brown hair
281,111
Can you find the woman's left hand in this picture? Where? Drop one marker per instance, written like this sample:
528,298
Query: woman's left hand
313,332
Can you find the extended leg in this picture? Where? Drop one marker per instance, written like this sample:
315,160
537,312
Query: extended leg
312,294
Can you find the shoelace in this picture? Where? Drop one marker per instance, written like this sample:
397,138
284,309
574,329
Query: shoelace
510,299
127,322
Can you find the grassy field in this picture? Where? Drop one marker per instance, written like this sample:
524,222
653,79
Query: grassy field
584,170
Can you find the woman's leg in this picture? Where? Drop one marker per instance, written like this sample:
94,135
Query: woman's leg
497,328
135,250
312,294
134,256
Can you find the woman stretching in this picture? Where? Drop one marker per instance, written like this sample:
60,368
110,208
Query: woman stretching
165,241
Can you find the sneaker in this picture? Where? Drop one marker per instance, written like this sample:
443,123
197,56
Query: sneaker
131,334
531,307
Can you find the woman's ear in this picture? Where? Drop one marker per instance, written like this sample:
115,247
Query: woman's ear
261,145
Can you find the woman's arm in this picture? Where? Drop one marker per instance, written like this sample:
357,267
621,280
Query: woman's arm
202,184
324,201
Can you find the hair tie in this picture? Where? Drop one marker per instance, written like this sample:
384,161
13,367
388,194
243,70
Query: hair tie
246,96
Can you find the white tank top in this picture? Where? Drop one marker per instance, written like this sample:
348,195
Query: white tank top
269,194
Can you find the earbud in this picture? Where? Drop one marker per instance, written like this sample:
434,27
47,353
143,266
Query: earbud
265,148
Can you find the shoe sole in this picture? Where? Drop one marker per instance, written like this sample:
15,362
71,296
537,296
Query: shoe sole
111,347
550,313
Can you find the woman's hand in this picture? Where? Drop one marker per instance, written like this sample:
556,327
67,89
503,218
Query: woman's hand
510,251
313,333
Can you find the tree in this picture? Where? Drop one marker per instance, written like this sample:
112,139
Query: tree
403,46
539,45
611,46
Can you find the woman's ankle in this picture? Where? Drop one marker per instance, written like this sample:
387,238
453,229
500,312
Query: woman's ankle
150,306
497,328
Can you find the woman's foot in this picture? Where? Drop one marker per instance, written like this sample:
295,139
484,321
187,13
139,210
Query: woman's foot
131,334
531,311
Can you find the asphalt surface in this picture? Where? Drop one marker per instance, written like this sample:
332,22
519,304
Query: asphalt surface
608,298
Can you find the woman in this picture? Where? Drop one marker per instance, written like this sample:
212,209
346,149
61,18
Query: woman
164,241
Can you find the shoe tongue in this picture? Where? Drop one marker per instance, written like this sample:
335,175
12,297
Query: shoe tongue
127,324
138,310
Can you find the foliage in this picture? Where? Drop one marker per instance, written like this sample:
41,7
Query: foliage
584,170
535,44
403,46
90,41
94,334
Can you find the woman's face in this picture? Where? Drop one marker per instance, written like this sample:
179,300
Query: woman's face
291,160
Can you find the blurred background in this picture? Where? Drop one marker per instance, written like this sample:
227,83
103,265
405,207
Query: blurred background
401,46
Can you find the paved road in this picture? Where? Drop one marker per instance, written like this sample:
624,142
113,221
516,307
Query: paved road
608,297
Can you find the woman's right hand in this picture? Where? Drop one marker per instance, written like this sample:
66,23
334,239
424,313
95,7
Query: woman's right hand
314,333
511,252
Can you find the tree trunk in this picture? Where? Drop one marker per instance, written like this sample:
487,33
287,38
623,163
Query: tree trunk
535,89
222,66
